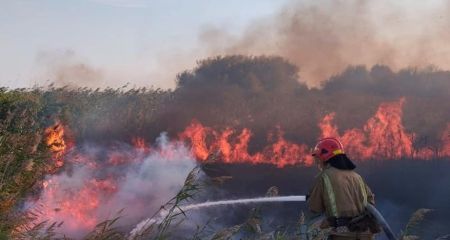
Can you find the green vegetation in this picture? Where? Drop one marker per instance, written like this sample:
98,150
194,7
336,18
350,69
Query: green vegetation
23,155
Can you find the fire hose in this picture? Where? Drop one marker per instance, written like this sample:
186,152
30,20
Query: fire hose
370,208
374,213
383,223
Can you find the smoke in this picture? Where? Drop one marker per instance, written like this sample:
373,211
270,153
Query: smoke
388,47
317,43
65,68
324,37
261,93
241,90
159,177
260,99
98,181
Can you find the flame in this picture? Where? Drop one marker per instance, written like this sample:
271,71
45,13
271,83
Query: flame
75,206
382,137
233,147
327,127
94,186
77,203
139,143
197,133
55,140
76,198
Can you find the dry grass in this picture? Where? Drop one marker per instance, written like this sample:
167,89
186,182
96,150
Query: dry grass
414,224
24,158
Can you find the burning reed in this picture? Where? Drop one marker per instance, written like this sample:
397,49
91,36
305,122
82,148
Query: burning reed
102,151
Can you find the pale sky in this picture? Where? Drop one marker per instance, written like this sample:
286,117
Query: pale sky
147,42
115,36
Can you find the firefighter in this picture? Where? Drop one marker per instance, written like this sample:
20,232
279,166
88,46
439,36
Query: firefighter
341,194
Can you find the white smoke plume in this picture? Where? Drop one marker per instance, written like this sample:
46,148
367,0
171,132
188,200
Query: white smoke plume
321,37
105,180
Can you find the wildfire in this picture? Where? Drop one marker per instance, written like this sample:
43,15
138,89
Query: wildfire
76,200
233,147
103,180
76,205
139,143
55,140
382,137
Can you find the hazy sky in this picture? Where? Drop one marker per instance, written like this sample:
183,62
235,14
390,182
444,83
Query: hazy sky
130,39
147,42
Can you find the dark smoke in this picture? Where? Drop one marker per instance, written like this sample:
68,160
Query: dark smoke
324,37
261,93
357,53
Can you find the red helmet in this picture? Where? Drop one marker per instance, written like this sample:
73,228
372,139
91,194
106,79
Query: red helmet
327,148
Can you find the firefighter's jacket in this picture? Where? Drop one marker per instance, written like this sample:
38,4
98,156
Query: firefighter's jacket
339,193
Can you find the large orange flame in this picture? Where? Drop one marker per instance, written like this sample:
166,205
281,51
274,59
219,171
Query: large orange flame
80,197
232,147
77,209
382,137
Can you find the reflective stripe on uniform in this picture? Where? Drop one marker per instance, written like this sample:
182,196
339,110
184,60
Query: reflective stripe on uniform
330,193
338,151
363,190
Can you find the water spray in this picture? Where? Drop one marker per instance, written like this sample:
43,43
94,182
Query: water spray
163,213
244,201
298,198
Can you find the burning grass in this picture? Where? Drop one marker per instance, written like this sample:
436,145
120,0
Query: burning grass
249,118
165,223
